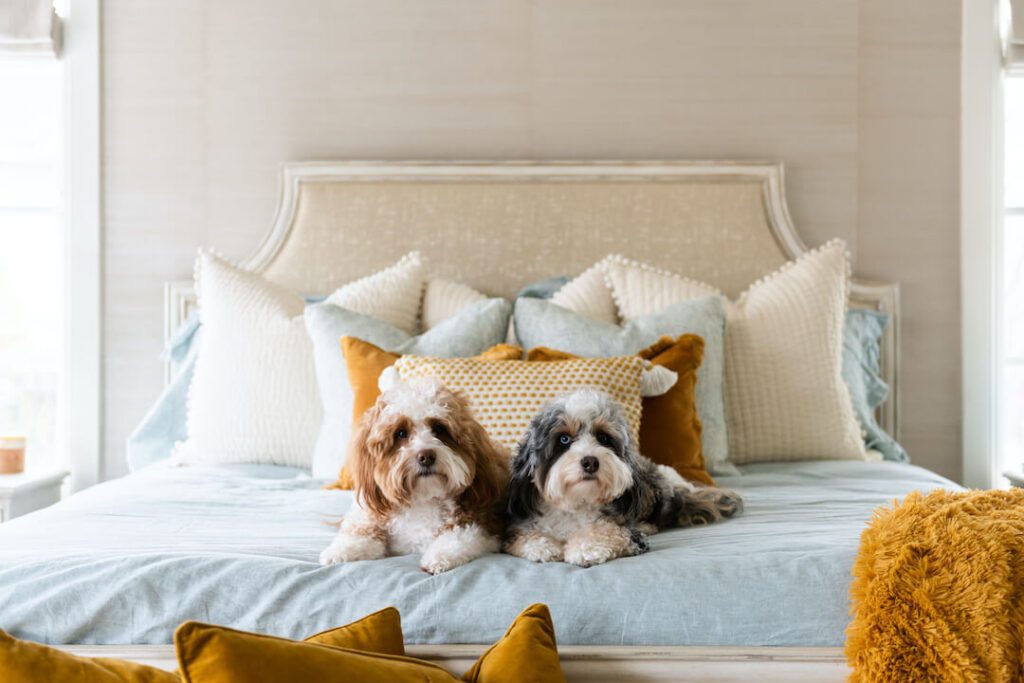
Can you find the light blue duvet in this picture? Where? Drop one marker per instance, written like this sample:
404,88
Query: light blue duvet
127,561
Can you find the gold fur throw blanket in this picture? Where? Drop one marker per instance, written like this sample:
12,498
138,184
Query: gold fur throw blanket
938,590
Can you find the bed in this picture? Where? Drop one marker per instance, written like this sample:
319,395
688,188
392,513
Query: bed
115,568
126,561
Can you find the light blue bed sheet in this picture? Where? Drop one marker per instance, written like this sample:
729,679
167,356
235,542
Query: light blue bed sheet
127,561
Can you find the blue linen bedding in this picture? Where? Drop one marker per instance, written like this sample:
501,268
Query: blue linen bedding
127,561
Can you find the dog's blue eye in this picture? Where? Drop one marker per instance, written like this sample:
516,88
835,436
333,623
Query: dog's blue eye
603,439
401,434
565,439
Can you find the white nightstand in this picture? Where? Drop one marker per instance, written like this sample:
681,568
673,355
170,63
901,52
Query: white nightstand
1016,478
29,491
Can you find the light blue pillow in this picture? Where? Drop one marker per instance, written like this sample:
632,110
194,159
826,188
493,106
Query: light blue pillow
166,423
542,323
468,333
543,289
861,371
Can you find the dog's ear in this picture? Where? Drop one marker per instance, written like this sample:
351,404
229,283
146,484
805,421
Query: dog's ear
368,447
523,496
490,459
636,502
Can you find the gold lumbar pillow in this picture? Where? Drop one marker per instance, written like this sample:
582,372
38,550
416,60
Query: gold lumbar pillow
214,654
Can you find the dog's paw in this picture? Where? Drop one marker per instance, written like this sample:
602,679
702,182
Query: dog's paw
729,503
334,554
539,548
352,549
589,554
435,562
646,528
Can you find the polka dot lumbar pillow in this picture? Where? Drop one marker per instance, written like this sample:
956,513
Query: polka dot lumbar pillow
505,395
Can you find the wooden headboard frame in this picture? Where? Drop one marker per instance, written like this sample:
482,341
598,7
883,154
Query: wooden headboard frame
500,225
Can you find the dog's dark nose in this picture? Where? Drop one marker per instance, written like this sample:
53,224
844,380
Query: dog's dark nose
589,464
426,458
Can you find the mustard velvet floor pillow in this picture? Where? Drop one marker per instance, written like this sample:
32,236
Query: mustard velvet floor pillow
215,654
527,653
23,662
379,632
369,650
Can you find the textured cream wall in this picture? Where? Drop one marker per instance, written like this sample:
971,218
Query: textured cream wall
202,100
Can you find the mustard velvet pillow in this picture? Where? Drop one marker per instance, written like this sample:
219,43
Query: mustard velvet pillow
378,632
215,654
670,429
22,661
25,662
527,653
365,362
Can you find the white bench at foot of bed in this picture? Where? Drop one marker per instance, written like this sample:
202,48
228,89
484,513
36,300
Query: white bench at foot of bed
599,664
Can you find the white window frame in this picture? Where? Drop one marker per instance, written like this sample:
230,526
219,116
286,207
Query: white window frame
981,223
83,409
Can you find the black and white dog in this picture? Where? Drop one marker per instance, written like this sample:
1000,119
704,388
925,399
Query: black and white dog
580,492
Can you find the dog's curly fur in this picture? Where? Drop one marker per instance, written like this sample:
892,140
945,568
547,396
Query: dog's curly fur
428,480
580,491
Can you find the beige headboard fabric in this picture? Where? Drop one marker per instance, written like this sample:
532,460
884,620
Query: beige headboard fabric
499,226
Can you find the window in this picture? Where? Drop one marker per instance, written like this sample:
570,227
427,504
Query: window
1012,404
32,254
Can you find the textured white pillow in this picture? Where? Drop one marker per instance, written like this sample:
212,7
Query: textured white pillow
254,395
392,295
784,391
588,295
444,299
639,289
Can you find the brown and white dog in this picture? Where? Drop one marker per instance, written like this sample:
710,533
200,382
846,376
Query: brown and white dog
428,479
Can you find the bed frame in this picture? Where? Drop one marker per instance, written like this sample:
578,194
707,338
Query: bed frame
498,226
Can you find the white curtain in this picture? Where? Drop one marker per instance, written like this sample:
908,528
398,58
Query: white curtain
1013,35
28,28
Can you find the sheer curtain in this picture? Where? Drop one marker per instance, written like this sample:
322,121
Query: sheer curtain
1013,35
29,28
1011,404
32,231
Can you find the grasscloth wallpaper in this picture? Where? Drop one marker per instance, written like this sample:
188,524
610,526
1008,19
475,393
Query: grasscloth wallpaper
859,98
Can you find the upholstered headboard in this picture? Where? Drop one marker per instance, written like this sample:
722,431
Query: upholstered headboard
499,226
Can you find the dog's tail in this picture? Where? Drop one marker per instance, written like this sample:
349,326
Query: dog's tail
706,504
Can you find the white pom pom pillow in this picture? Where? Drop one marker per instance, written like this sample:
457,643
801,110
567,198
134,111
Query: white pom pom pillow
785,396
